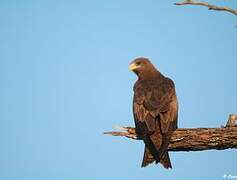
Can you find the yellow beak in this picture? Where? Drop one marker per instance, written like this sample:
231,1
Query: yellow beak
133,66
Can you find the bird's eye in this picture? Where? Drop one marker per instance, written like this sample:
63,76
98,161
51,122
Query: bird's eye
138,63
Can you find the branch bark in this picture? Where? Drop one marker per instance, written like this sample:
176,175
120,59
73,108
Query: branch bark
209,6
195,139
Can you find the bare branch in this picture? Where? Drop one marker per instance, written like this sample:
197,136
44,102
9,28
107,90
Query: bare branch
231,121
195,139
209,6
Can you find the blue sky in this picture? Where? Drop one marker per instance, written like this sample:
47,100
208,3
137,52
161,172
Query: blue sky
64,81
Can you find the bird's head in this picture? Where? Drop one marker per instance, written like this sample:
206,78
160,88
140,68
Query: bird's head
142,67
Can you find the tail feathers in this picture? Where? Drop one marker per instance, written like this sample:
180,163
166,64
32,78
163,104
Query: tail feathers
165,160
156,151
164,155
148,159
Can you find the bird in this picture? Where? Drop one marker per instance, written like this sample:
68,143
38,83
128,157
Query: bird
155,111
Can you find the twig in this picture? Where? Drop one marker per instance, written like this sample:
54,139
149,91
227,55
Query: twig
210,6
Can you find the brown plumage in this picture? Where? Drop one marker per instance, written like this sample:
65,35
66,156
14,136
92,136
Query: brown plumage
155,109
